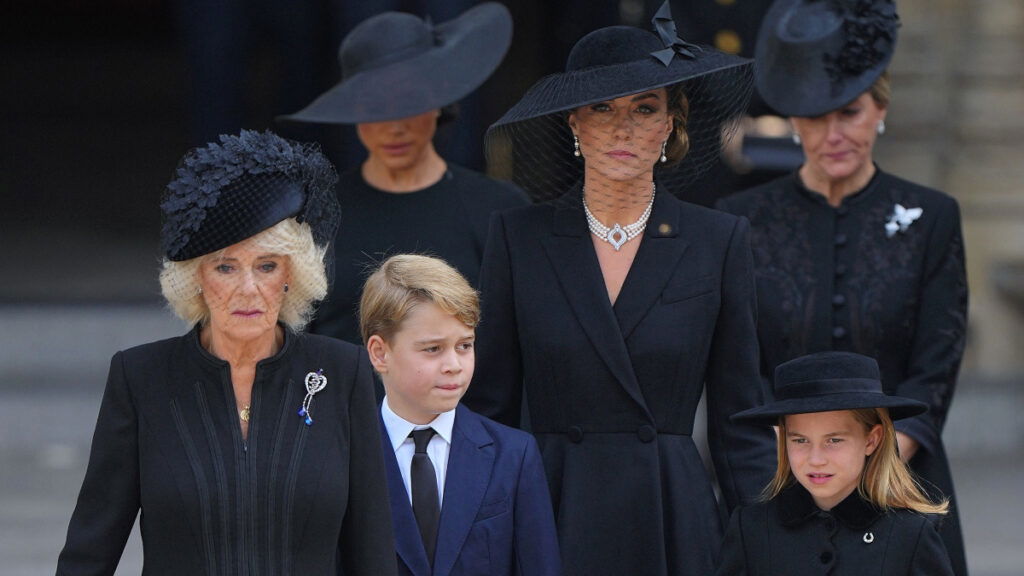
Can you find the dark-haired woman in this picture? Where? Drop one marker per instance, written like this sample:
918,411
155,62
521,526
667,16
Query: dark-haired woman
615,306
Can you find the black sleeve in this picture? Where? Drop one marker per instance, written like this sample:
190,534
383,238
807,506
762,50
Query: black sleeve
733,557
744,455
109,500
497,388
930,557
367,541
939,337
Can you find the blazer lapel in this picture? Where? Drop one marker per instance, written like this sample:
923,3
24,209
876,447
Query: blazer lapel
654,264
470,461
408,543
575,263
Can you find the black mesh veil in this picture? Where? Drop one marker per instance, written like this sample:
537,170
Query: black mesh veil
537,152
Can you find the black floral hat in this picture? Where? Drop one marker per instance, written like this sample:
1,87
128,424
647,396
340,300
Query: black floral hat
227,191
395,65
533,144
815,56
827,381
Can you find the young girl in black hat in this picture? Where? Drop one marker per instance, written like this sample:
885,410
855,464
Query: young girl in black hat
842,501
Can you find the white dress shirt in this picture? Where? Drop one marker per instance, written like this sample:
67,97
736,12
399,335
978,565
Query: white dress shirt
437,450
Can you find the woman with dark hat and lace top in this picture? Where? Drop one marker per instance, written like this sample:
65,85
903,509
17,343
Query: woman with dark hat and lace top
401,76
613,306
247,446
847,256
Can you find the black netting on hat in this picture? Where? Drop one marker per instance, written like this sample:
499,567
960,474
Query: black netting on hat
227,191
538,152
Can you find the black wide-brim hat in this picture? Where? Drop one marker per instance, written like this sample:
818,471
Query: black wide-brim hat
396,65
816,56
825,382
533,144
233,189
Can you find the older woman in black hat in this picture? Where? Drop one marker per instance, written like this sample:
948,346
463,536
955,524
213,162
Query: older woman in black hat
401,75
615,305
248,446
842,502
847,256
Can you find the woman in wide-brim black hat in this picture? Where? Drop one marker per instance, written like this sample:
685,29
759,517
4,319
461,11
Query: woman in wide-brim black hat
848,256
842,501
401,76
223,438
612,305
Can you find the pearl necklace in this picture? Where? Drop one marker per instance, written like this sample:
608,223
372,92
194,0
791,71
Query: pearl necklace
617,235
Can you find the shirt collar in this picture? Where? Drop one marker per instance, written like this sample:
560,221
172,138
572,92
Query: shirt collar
796,506
399,428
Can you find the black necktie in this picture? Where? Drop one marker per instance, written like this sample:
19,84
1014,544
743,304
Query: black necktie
425,504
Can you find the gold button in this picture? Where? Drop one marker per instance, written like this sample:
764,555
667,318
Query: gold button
664,229
728,41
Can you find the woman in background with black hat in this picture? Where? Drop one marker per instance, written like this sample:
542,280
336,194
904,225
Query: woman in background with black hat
401,76
614,304
248,446
849,257
842,502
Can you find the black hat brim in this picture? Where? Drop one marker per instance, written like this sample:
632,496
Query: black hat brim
768,415
566,91
473,46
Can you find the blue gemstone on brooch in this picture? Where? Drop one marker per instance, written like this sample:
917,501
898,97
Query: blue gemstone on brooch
302,411
309,421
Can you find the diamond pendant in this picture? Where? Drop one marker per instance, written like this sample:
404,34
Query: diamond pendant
617,237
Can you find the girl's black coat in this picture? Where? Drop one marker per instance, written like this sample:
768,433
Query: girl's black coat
791,536
291,499
829,278
612,390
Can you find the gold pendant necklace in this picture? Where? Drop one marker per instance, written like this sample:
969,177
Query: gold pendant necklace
244,414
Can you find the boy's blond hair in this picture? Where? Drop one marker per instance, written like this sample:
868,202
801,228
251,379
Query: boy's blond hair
406,280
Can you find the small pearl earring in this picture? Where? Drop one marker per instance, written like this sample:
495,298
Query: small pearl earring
576,146
796,138
663,157
881,127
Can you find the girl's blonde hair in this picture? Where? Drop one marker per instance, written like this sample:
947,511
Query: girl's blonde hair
885,481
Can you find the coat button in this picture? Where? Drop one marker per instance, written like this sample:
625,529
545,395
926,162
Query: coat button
830,524
840,270
646,433
838,332
825,557
838,300
840,239
576,434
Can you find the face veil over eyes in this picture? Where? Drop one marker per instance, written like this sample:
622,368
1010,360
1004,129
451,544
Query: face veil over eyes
533,145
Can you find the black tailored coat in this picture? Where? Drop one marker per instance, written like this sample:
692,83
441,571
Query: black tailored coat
829,278
790,536
612,390
290,499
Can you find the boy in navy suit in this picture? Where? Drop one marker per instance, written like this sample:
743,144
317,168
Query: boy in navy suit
468,495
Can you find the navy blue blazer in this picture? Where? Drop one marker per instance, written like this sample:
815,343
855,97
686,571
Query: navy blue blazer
496,515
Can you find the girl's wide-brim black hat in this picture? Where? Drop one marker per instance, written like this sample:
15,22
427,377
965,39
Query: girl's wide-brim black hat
816,56
826,382
396,65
